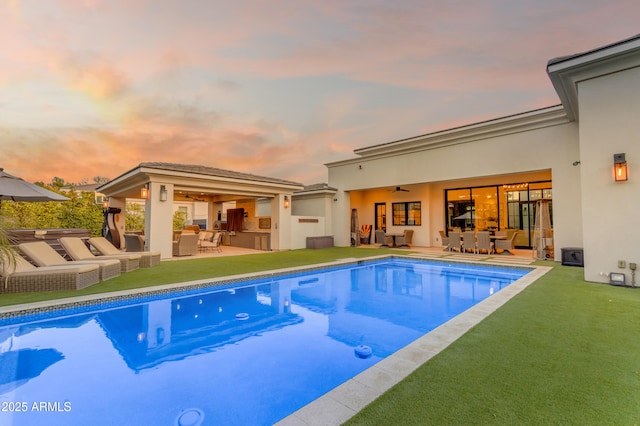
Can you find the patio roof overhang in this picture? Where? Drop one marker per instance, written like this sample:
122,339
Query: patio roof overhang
200,183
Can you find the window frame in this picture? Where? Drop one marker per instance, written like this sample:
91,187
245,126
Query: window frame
403,217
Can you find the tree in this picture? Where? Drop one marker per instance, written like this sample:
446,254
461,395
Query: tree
7,248
135,217
100,180
179,219
80,211
57,182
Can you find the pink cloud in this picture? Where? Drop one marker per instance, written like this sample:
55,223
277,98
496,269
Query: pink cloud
169,83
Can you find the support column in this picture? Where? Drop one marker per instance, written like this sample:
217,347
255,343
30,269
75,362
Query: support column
158,223
341,218
281,223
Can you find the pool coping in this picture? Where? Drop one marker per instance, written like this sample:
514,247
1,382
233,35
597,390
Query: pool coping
343,402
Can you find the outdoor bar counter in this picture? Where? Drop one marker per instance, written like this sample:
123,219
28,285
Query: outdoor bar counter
249,239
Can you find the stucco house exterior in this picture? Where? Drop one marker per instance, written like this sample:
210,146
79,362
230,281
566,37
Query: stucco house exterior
264,203
491,175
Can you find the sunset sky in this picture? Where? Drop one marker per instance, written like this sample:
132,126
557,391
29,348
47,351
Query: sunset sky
275,88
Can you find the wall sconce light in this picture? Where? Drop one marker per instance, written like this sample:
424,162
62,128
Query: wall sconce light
620,167
163,193
144,192
286,202
105,203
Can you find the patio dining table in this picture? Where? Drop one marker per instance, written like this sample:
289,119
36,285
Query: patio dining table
394,236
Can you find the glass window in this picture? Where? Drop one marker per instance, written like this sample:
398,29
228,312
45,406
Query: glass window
486,208
407,213
459,208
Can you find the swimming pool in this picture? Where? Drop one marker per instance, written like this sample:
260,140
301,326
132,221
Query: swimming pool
244,353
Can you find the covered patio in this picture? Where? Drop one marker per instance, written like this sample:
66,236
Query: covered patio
263,202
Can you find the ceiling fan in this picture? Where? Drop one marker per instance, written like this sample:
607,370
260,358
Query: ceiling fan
193,198
399,189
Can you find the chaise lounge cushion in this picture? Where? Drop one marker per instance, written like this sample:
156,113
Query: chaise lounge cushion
77,250
147,258
42,254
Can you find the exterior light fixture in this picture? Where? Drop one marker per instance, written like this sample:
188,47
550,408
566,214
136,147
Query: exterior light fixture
105,203
144,192
163,193
286,202
620,167
616,278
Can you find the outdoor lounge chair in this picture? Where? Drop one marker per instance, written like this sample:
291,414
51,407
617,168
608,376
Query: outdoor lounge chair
22,277
77,250
42,254
506,245
187,245
405,239
147,258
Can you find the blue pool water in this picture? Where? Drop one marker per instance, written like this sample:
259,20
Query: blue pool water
247,354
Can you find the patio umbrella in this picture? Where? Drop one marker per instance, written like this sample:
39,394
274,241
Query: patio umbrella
19,366
465,216
16,189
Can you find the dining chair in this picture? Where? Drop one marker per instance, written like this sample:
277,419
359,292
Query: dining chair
455,242
444,238
469,241
483,242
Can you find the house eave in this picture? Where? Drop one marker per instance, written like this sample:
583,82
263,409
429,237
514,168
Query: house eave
567,72
524,122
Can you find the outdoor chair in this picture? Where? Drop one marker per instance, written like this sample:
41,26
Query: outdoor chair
187,245
455,242
133,242
202,236
213,244
365,234
484,243
444,238
42,254
20,276
147,258
405,239
469,241
383,239
506,245
77,250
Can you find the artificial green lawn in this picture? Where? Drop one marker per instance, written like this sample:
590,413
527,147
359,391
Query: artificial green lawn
562,352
